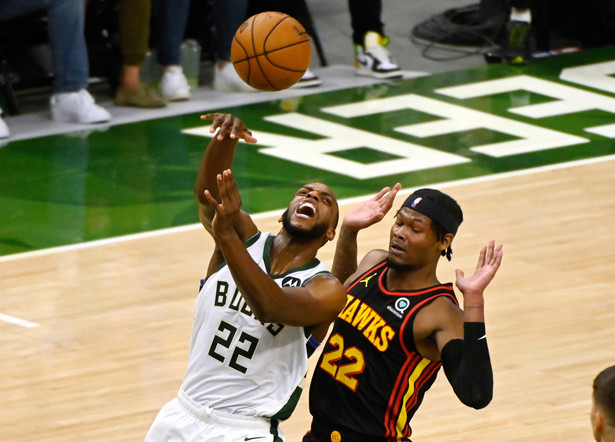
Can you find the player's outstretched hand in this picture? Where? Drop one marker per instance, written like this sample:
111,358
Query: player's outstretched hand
372,211
227,209
489,261
228,125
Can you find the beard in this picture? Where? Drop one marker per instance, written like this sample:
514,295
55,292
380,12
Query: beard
317,231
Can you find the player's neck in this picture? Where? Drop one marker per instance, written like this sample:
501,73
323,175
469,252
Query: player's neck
411,278
289,253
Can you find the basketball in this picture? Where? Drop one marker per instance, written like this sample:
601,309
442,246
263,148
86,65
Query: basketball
271,51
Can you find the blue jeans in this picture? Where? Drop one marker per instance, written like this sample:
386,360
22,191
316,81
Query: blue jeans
228,16
68,49
169,17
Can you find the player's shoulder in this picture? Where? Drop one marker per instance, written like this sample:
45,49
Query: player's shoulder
321,278
369,261
441,309
372,258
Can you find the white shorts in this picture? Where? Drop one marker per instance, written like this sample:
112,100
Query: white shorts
182,419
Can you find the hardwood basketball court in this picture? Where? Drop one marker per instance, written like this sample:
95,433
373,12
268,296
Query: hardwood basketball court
103,254
98,367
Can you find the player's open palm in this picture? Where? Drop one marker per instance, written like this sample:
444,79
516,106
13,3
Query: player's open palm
227,209
370,212
489,261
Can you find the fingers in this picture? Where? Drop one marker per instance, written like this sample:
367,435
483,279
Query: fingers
493,254
459,274
222,180
230,199
489,251
481,258
247,136
229,193
222,188
389,197
497,257
386,196
228,125
212,201
490,255
381,193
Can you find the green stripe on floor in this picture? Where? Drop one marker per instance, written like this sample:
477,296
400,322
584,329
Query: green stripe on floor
131,178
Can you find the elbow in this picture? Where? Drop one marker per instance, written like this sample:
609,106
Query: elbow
478,398
264,315
479,402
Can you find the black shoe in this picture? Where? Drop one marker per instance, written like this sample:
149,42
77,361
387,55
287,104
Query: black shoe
459,27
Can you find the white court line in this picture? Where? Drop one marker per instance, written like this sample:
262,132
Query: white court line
195,226
17,321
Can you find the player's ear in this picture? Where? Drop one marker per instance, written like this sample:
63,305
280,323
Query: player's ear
598,422
446,241
330,234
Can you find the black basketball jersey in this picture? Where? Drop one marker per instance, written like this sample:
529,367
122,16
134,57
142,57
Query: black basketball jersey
370,378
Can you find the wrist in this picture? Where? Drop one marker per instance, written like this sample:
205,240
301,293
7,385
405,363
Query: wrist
473,312
471,298
226,235
349,230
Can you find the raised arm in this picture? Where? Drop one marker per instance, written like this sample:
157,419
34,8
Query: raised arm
473,287
358,218
461,336
319,301
218,157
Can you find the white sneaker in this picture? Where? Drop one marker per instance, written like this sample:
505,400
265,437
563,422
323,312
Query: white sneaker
228,80
4,129
374,60
77,107
174,85
308,79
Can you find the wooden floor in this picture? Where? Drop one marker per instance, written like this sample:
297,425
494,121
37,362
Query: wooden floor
114,320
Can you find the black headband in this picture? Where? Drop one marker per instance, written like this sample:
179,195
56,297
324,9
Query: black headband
438,214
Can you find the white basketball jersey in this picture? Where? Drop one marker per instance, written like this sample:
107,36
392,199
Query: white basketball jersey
237,364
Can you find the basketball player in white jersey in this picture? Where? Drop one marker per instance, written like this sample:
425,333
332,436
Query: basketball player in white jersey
263,297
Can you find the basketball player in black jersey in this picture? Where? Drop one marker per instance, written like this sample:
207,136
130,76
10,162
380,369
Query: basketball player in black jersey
400,324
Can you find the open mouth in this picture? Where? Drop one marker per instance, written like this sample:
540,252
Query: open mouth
306,209
396,248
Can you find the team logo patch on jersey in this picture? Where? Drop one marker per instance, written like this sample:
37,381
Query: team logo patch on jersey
401,305
291,281
336,436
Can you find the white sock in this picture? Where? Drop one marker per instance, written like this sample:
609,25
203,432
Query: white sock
525,16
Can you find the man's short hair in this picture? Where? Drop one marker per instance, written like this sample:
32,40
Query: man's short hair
604,394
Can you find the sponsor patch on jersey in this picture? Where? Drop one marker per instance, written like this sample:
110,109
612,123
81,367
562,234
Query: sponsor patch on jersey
400,307
291,281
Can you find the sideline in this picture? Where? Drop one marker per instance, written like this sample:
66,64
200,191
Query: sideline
190,227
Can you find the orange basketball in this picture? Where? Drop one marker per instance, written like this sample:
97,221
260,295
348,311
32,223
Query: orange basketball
271,51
